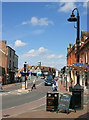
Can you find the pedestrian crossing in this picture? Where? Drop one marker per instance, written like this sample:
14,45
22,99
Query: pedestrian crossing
15,92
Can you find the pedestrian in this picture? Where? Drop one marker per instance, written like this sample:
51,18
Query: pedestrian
34,84
53,86
71,82
56,84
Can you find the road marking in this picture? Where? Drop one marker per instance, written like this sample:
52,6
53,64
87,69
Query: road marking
39,84
25,110
25,103
39,106
28,110
19,91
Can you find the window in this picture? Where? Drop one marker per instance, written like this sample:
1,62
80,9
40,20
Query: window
10,64
10,53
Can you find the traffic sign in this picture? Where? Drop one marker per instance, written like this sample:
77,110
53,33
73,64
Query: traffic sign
78,68
87,65
70,68
78,64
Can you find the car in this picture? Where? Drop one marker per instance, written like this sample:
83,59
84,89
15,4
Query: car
49,81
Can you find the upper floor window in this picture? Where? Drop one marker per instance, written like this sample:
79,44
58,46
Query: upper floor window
10,53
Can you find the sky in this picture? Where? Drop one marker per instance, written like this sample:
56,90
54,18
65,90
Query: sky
39,31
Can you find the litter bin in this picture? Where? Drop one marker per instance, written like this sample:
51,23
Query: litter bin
77,96
52,101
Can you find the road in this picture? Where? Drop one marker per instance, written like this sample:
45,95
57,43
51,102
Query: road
13,102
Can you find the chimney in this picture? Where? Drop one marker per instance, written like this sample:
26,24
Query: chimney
68,49
70,45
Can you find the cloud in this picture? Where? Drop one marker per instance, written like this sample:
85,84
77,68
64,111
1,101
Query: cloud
35,53
19,43
42,50
41,21
37,32
85,4
66,6
24,23
53,56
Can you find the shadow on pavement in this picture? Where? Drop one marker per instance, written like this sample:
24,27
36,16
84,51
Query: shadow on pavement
83,117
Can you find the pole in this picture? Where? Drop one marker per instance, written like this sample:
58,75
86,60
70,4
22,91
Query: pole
25,81
66,82
78,42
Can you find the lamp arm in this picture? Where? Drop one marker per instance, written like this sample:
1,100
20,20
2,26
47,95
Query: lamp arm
77,11
75,26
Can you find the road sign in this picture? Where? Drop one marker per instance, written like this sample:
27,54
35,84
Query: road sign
87,65
70,68
78,64
78,68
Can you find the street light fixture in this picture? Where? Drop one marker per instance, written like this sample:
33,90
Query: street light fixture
77,91
74,19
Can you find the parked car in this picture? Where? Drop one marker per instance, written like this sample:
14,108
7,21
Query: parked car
49,81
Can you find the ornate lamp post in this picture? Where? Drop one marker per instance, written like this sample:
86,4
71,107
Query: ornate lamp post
74,19
77,91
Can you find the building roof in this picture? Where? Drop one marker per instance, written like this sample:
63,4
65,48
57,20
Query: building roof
85,33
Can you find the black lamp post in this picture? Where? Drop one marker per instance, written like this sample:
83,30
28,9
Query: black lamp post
77,91
74,19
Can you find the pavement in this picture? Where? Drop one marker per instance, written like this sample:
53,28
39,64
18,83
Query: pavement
42,113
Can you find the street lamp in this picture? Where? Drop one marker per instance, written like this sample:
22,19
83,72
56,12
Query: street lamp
74,19
77,91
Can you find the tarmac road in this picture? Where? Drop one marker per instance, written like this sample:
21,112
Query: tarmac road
12,100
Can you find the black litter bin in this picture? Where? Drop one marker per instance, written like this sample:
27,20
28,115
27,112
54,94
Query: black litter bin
52,101
77,96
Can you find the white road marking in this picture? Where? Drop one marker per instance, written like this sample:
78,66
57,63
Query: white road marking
25,103
28,110
39,84
19,91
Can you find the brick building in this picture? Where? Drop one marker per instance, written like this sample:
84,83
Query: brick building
8,63
3,61
84,58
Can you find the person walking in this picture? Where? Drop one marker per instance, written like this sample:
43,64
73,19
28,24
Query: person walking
53,86
34,84
56,84
71,82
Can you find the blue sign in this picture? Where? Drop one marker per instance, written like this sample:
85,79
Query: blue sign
21,71
27,72
78,64
87,65
70,68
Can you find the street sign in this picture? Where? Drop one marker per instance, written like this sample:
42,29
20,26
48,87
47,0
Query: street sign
21,71
87,65
78,64
78,68
70,68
